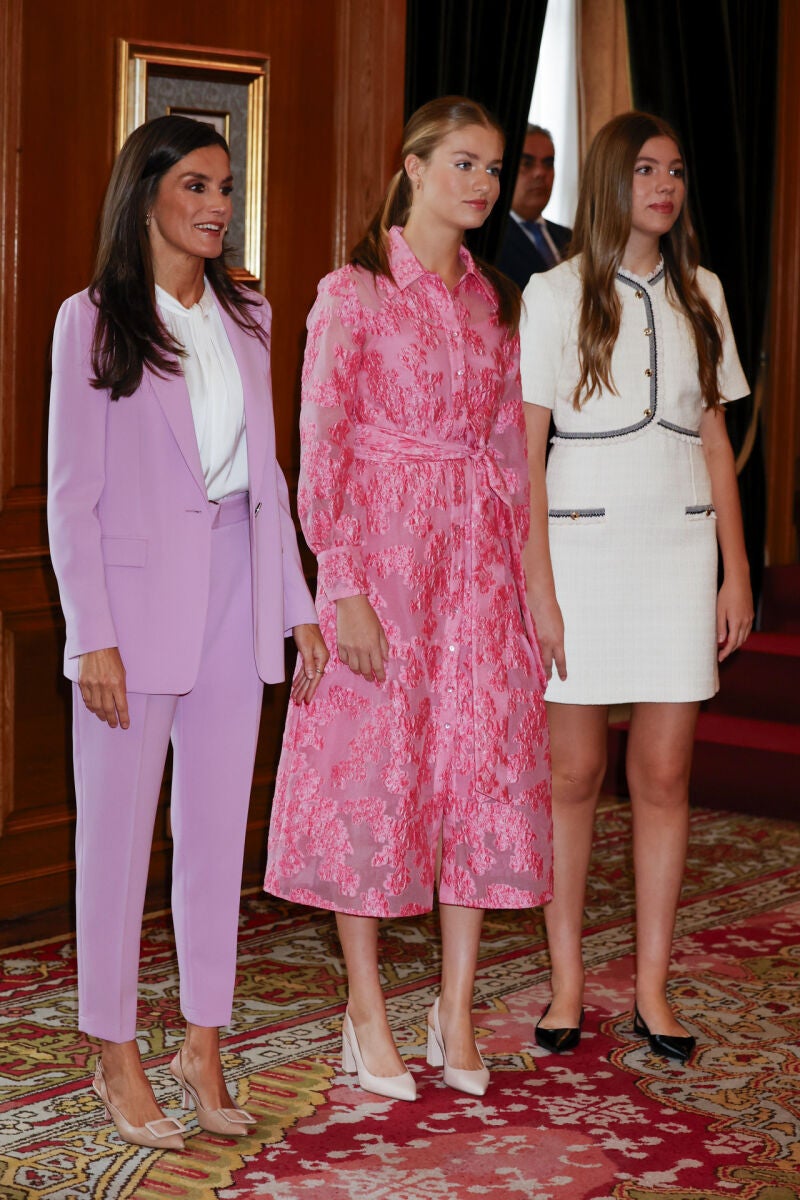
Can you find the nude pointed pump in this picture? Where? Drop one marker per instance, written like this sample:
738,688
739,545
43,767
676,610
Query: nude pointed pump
474,1083
396,1087
234,1122
164,1134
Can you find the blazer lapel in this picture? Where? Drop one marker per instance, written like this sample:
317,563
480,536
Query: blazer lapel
173,396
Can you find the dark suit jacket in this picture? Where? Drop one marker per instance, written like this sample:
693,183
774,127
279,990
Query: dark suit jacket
519,258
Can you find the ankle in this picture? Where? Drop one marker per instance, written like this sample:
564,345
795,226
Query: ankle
201,1042
567,989
366,1015
456,1003
651,997
121,1063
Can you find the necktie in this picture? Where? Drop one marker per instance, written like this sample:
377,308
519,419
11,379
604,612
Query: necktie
541,243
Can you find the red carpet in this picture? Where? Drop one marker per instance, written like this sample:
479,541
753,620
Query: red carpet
607,1122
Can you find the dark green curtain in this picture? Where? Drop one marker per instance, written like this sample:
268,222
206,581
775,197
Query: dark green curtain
710,68
487,50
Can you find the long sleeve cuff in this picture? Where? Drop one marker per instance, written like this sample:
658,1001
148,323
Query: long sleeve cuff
341,572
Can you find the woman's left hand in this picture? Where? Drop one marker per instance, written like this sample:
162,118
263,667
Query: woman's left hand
314,653
734,615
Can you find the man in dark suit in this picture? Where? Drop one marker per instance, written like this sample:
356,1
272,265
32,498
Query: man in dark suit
530,243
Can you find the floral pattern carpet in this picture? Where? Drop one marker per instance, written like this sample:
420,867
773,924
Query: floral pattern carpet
607,1122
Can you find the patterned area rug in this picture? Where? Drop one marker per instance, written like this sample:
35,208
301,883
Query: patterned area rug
607,1122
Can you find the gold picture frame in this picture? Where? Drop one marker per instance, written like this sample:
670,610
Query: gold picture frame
230,86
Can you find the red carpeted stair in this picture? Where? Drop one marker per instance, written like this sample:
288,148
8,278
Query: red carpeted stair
747,750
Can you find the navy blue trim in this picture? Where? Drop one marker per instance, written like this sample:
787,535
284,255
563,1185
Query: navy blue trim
634,281
604,436
575,513
653,407
692,433
693,510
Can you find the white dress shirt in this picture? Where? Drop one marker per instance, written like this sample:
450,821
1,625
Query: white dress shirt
215,390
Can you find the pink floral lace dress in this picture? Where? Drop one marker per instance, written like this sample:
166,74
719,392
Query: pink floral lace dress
413,491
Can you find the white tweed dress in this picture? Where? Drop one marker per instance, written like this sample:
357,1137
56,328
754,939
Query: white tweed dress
631,520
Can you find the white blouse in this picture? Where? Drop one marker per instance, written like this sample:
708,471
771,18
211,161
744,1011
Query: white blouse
215,390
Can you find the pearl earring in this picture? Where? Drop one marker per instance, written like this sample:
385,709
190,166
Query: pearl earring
147,219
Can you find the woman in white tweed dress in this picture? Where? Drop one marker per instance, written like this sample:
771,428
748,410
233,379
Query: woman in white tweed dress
628,346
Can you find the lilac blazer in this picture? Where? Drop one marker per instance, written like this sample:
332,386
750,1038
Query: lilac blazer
130,522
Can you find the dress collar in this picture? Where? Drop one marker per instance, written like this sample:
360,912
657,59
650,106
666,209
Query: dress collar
407,269
653,277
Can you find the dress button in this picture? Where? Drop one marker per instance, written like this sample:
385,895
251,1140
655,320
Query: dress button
648,372
709,512
451,649
638,294
648,412
460,371
574,516
648,332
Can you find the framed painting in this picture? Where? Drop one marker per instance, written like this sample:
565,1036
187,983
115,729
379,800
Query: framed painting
226,89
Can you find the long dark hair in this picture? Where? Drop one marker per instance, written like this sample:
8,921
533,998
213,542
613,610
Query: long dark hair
425,130
128,334
602,229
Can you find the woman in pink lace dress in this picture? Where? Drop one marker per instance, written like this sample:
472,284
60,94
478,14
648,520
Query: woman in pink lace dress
425,756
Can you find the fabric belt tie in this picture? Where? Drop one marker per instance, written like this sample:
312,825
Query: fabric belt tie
483,475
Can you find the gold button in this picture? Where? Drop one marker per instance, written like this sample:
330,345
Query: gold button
648,412
709,512
648,372
647,332
638,294
574,516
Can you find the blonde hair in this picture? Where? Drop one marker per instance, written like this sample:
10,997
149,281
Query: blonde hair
425,129
602,229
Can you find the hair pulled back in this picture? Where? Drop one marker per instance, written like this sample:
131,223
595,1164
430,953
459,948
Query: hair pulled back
129,335
425,129
602,229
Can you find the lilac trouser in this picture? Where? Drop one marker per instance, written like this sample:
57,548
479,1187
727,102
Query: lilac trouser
118,776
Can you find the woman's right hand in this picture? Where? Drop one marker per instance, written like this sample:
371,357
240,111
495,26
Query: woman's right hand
101,679
550,630
361,641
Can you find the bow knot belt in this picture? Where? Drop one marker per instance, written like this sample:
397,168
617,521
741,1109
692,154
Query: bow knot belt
483,476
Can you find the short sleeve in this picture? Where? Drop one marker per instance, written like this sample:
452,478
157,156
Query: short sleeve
733,383
540,343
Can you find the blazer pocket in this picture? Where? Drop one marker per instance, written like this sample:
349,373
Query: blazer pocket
576,516
124,551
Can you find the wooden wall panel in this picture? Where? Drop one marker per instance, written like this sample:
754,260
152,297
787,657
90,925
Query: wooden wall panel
369,112
335,113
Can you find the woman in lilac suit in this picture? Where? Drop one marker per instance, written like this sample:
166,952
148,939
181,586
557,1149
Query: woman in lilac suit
179,576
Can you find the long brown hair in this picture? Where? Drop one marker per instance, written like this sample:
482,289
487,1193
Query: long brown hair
425,130
602,229
129,335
